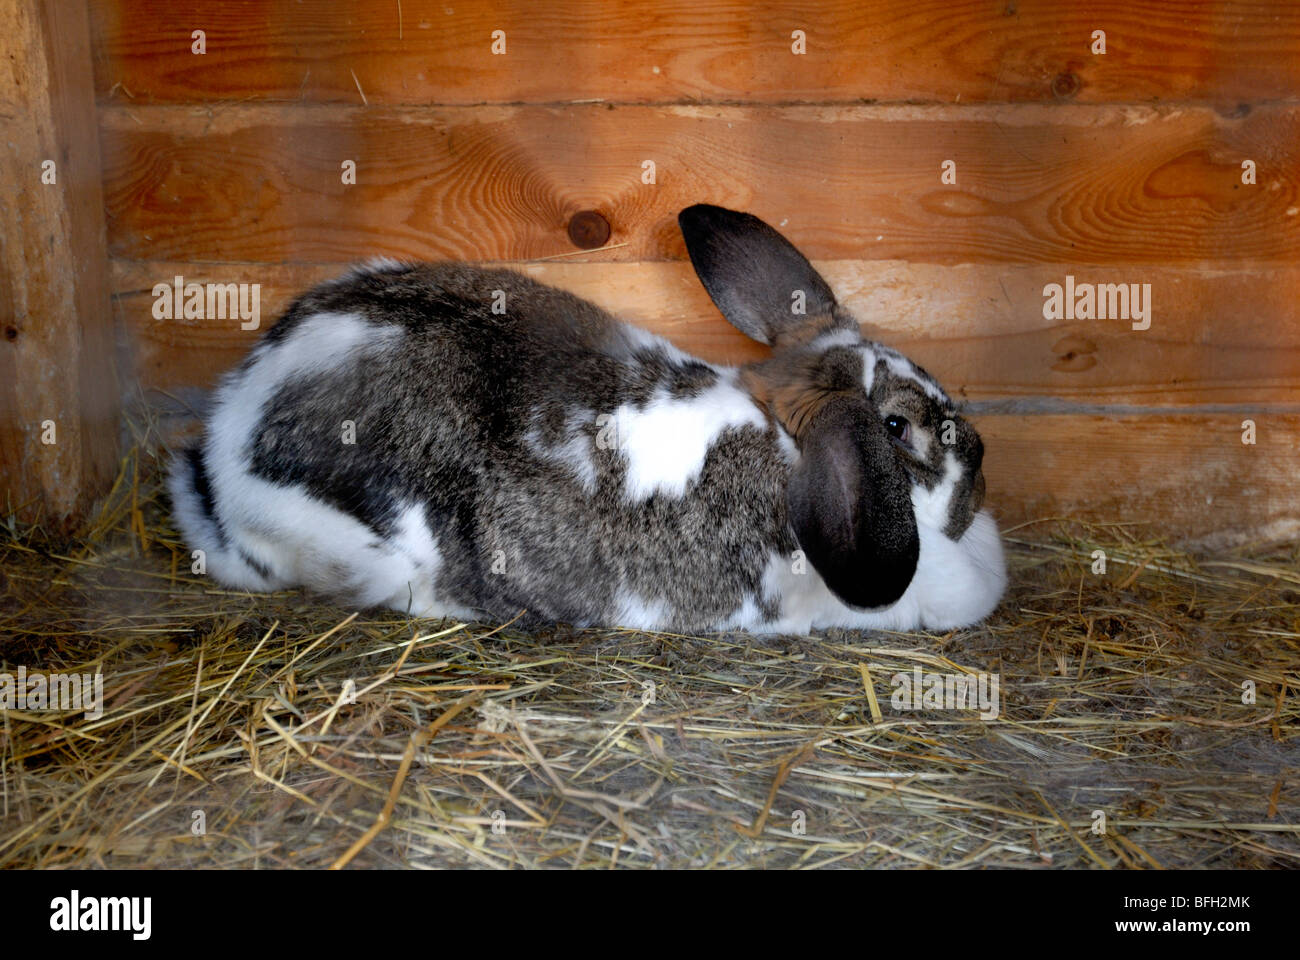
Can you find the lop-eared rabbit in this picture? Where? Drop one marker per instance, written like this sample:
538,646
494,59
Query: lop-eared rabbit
454,441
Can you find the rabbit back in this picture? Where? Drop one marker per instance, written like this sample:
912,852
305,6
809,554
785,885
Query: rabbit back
395,441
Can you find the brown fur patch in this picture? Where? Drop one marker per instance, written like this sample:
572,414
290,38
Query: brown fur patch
796,384
812,327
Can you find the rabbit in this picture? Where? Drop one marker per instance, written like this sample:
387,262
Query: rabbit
456,441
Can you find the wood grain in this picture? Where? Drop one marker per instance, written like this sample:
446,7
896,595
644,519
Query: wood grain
56,341
1074,185
1186,477
1216,336
225,168
430,51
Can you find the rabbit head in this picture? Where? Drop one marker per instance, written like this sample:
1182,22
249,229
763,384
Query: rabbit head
882,450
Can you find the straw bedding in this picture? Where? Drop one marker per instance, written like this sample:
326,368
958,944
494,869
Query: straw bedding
280,731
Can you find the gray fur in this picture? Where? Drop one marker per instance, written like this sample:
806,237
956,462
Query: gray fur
489,424
443,419
894,394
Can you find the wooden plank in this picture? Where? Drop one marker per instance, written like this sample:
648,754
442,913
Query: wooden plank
429,51
1071,184
1186,477
1216,337
58,385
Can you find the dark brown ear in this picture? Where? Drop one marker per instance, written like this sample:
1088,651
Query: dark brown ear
755,276
850,505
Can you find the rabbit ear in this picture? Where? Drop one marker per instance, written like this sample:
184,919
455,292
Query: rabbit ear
764,286
850,505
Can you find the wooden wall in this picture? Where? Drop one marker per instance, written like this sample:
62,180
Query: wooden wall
1118,168
59,392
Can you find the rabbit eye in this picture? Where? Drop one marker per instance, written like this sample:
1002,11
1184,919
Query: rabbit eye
899,428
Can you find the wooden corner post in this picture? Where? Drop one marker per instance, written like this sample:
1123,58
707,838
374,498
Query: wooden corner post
59,396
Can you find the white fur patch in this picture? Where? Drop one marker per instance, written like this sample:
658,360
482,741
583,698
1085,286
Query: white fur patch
934,507
837,338
638,338
379,264
299,539
573,452
415,543
956,584
789,449
901,366
868,368
636,612
746,617
666,441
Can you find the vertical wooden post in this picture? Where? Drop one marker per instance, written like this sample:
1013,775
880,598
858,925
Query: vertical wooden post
59,397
